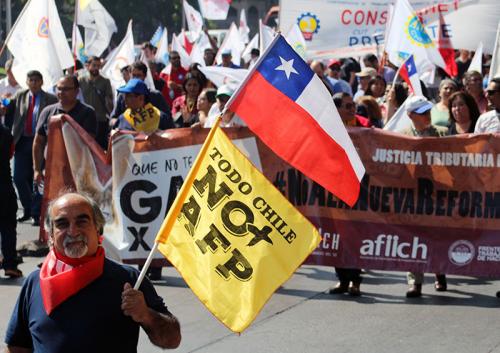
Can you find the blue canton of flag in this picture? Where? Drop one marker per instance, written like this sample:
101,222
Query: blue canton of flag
286,70
410,66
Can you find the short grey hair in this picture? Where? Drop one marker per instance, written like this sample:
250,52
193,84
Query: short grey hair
97,215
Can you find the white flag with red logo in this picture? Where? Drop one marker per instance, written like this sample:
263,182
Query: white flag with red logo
214,9
193,19
37,42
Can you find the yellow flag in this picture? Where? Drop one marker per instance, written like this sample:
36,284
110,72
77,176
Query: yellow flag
232,235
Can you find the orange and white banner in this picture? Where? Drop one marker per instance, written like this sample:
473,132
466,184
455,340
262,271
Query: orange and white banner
426,204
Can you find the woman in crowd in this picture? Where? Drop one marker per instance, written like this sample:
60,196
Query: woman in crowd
440,112
368,107
376,89
463,113
395,98
205,101
184,108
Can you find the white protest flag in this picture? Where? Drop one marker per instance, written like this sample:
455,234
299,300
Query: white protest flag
266,35
408,36
296,40
162,48
98,23
214,9
193,19
400,121
495,59
243,28
37,42
122,56
224,75
78,48
253,44
155,39
177,46
232,42
197,52
476,63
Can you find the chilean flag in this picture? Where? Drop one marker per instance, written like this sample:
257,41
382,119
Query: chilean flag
289,108
408,71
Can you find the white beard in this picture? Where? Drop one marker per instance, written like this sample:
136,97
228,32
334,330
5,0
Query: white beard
75,251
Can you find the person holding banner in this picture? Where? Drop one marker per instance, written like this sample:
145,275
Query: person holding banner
141,115
80,301
490,122
418,109
67,89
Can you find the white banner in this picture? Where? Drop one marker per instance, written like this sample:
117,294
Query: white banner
331,24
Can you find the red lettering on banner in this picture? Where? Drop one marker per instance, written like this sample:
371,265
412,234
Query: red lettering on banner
362,17
344,21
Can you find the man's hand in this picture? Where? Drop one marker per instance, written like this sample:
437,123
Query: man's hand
134,305
37,177
163,330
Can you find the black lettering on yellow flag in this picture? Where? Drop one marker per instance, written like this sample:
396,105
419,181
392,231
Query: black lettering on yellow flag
232,235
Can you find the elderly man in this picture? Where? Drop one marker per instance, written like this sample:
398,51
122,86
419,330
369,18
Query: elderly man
21,115
97,92
80,301
67,90
140,114
490,121
364,77
418,109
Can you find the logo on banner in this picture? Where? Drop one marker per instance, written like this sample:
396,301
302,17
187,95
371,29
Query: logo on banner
43,28
416,33
461,252
308,24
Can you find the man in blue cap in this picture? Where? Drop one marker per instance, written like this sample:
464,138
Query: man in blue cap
140,114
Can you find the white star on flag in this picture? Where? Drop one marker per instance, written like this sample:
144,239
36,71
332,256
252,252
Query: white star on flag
287,67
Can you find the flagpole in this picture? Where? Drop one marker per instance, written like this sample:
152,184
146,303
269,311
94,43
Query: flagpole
14,27
146,267
73,37
249,74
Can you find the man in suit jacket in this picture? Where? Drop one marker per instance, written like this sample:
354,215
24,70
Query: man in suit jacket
21,116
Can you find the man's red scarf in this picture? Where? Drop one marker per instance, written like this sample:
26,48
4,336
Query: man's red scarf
61,276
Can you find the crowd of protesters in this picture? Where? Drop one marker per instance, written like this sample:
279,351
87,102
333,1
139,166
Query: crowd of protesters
365,92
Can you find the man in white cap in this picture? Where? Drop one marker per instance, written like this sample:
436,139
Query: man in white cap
364,77
229,119
418,109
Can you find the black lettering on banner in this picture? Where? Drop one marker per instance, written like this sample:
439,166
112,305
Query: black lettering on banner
175,185
297,187
237,230
138,238
191,211
424,200
317,195
492,205
212,240
152,204
237,265
214,197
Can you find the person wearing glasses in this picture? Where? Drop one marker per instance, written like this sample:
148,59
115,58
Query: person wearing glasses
489,122
67,90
